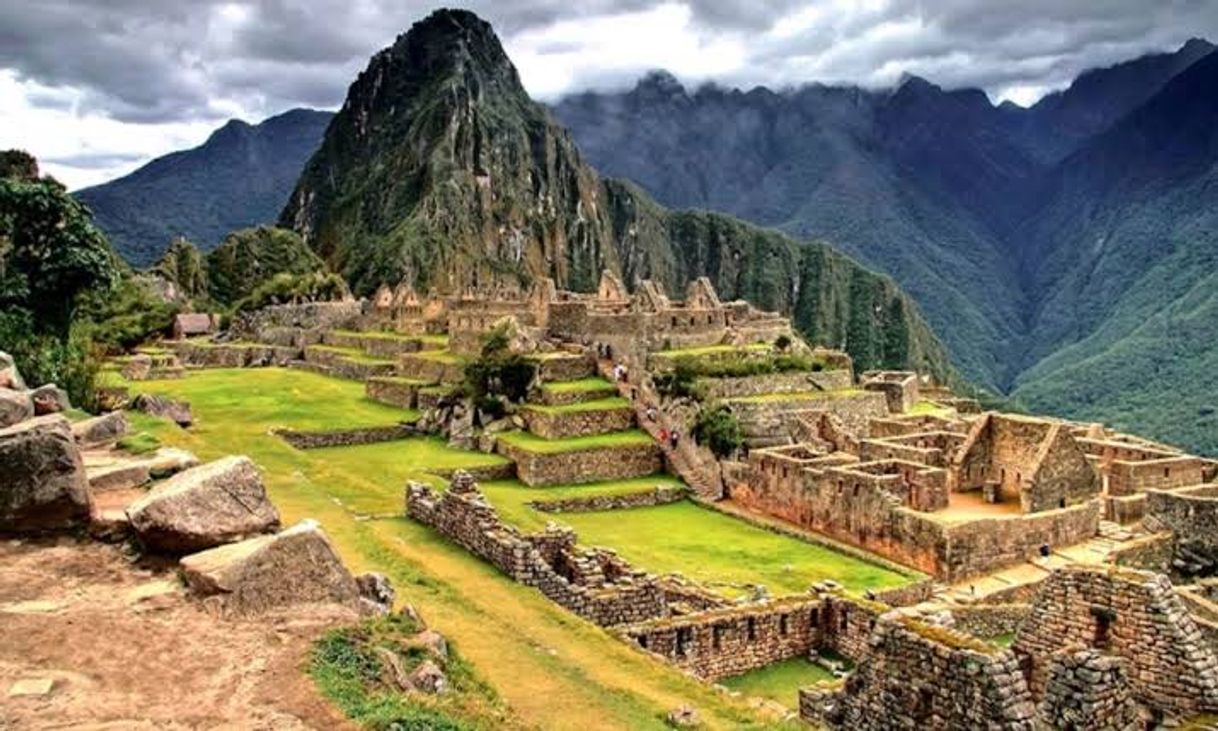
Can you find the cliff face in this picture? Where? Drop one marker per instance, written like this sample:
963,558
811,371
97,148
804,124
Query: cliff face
440,169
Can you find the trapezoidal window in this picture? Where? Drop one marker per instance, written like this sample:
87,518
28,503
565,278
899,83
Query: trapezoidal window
717,632
783,622
751,628
684,636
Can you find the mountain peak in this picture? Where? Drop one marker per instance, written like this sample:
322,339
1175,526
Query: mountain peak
659,81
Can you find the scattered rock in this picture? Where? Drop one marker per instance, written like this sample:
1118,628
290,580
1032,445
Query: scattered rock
10,377
683,717
44,488
393,672
118,476
206,506
100,429
431,641
376,592
176,411
49,399
168,461
295,566
428,678
31,688
15,407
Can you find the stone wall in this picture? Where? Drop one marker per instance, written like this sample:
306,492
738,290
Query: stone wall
400,392
1089,690
564,366
990,620
1134,615
803,381
659,495
539,469
315,316
773,417
233,355
380,345
724,642
345,437
550,424
916,676
422,367
1191,515
980,546
594,584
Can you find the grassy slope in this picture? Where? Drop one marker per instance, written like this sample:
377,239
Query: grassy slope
553,669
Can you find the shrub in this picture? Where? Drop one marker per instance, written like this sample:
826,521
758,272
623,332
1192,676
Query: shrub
504,374
73,364
719,430
681,381
782,342
286,287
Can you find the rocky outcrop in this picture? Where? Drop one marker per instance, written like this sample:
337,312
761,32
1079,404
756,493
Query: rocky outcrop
204,507
49,399
296,566
10,377
176,411
100,429
15,407
43,487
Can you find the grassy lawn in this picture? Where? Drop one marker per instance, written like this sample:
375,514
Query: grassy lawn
722,551
601,404
797,396
510,497
583,385
779,682
267,398
555,670
532,443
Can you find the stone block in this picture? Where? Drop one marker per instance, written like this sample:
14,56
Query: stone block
43,487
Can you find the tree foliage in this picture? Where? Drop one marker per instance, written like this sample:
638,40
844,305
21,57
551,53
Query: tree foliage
718,429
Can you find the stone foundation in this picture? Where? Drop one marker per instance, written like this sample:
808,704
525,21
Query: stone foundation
660,495
400,392
538,469
803,381
345,437
561,424
1191,516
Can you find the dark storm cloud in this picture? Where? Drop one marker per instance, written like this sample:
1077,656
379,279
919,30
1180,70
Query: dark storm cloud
181,60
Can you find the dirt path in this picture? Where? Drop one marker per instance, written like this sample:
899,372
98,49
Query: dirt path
126,649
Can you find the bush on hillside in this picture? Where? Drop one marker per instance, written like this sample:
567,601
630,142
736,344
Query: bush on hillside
286,287
718,429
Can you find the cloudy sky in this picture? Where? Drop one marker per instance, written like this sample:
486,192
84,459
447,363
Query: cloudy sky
96,88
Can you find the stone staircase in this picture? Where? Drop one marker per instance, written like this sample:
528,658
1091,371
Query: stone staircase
696,466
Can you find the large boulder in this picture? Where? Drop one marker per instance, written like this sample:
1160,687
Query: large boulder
43,488
10,377
15,407
216,503
49,399
296,566
176,411
100,430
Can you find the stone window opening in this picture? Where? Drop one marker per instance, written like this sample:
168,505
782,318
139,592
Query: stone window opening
717,636
814,617
1167,471
751,628
642,641
782,625
684,635
1104,617
843,622
674,321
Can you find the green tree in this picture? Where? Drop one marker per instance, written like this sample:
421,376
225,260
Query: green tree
718,429
50,251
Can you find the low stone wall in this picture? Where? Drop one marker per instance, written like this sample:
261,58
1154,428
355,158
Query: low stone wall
486,473
1149,553
1125,510
1135,615
725,642
537,469
549,397
566,367
659,495
429,397
980,546
772,417
234,355
345,437
400,392
345,366
916,676
561,424
990,620
316,316
908,595
796,382
432,370
595,584
372,343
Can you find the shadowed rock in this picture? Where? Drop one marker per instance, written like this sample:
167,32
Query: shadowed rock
293,567
216,503
176,411
43,487
10,377
100,429
15,407
50,399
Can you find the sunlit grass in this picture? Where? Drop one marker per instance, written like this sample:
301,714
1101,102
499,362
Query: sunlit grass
534,443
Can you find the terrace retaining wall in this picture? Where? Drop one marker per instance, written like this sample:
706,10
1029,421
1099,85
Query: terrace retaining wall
538,469
589,422
659,495
346,437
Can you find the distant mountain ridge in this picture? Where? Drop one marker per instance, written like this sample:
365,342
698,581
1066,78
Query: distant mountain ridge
440,169
241,176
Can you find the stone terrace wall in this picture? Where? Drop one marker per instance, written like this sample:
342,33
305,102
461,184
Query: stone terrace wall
345,437
915,676
310,316
1135,615
990,620
400,392
537,469
233,355
1089,690
721,388
561,424
659,495
594,584
372,343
